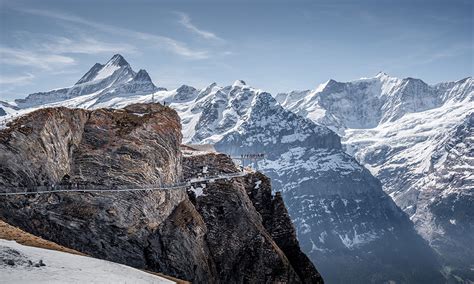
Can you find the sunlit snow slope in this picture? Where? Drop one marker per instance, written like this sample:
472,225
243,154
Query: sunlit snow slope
417,139
18,265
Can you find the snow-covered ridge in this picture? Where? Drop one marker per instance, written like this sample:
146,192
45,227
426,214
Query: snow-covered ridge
368,102
208,114
115,78
20,264
406,133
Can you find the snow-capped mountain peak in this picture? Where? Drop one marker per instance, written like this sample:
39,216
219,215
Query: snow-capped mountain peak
185,93
142,75
101,72
113,67
264,99
103,82
239,84
383,76
367,102
91,74
186,88
117,60
210,86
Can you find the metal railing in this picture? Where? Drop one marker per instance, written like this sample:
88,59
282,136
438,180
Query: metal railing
89,188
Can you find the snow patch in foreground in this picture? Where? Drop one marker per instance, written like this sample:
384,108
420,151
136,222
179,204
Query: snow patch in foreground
63,267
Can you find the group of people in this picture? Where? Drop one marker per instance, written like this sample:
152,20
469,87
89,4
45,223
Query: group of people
252,156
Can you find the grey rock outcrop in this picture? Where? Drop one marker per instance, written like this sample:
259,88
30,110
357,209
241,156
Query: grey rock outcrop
249,229
131,147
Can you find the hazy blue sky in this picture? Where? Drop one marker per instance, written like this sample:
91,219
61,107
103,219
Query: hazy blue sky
273,45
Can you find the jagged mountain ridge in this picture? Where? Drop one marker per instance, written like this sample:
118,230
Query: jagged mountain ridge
271,209
368,102
405,132
115,78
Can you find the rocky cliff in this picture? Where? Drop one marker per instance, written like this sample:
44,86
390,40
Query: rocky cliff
246,222
220,236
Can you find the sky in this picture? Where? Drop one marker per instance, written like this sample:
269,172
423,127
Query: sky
277,46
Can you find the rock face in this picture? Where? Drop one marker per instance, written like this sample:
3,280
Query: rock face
249,229
277,221
221,238
130,147
102,146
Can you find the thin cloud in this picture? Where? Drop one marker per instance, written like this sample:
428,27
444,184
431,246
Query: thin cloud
51,53
79,43
17,80
170,44
185,20
20,57
84,45
425,56
452,51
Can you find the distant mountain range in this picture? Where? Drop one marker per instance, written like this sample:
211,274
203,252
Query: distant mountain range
326,150
418,140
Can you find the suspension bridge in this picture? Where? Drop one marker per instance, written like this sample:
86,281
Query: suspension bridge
113,188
